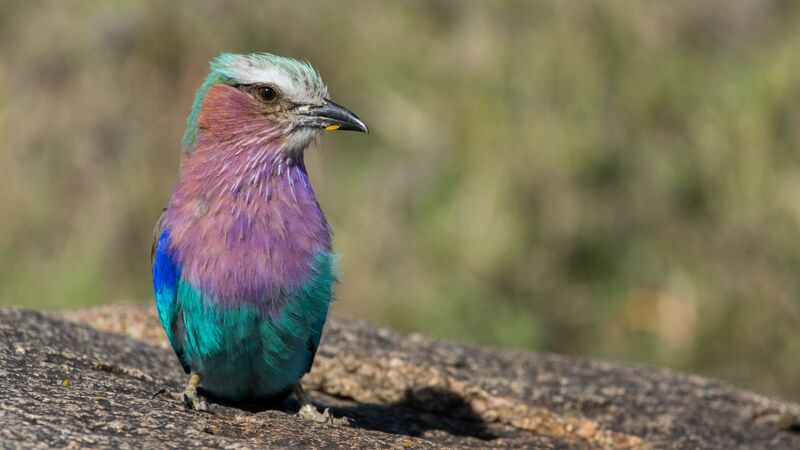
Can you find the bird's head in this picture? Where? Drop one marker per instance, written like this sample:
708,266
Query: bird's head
264,99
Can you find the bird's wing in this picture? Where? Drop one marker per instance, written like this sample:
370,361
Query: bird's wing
156,235
166,276
322,282
313,344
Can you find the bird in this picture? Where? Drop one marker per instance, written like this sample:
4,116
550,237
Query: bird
242,261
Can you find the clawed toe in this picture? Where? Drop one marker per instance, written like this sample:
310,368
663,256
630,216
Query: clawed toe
193,402
162,391
309,412
189,396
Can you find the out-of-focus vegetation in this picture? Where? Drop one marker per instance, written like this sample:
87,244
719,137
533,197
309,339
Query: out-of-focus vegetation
618,179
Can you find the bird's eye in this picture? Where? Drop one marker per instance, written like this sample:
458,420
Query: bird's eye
266,94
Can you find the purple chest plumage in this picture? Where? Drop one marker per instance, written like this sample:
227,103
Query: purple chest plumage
244,224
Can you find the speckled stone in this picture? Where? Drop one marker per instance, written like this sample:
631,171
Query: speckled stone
66,384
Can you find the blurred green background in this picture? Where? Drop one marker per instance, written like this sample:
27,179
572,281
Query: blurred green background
616,179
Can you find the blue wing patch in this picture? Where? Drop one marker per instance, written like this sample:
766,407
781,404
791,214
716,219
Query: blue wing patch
166,274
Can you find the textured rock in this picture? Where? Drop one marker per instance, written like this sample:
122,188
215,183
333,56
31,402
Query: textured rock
67,384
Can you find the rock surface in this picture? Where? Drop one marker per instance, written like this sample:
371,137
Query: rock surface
87,379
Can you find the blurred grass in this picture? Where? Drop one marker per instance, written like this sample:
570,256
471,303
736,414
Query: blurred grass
617,179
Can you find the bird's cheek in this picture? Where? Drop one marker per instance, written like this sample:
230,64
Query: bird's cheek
300,137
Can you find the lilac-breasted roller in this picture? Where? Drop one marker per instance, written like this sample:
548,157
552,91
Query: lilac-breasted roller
242,262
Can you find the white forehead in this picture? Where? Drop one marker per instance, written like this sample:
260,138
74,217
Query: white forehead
293,78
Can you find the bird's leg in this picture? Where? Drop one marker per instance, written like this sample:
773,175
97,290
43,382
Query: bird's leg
189,396
309,412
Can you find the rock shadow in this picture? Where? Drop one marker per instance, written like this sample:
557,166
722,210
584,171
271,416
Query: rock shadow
420,411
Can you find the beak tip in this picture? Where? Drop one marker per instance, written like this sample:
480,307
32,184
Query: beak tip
354,123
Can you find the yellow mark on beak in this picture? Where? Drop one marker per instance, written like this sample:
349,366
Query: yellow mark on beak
332,127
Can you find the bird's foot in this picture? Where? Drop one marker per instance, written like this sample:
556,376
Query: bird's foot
189,397
192,401
309,412
188,400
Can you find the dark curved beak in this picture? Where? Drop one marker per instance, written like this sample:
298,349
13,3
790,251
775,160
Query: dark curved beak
330,116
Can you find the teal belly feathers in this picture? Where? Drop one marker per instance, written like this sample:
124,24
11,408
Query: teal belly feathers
242,351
